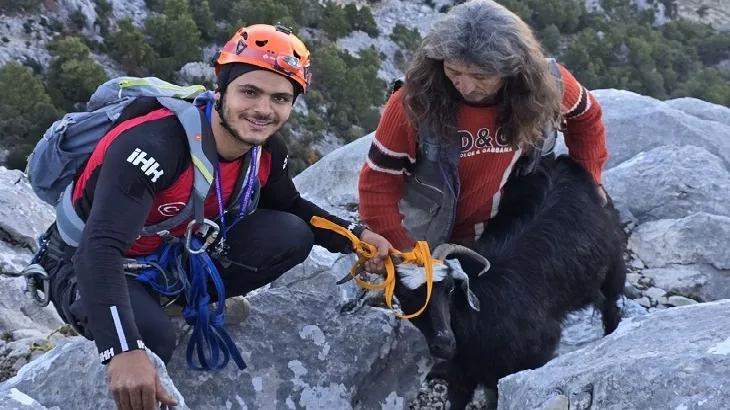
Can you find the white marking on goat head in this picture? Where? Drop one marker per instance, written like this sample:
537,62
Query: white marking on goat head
413,277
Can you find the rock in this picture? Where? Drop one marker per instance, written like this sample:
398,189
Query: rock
628,114
17,400
671,182
680,301
644,301
648,362
319,273
701,109
299,351
655,293
86,7
682,281
637,264
585,326
698,238
632,292
22,216
302,353
134,9
49,379
332,181
633,277
197,73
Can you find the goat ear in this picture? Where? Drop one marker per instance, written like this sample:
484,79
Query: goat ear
470,296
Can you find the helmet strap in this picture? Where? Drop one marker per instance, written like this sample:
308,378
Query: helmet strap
218,105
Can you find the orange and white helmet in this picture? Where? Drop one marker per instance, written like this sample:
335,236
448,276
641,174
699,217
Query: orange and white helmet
271,47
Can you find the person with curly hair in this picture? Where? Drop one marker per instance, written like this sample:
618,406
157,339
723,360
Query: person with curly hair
479,103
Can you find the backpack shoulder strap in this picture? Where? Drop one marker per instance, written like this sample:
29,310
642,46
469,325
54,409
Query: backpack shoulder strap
555,70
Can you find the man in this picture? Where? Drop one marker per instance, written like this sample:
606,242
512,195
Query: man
481,89
260,72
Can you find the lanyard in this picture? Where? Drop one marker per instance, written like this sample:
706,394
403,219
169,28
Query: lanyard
246,193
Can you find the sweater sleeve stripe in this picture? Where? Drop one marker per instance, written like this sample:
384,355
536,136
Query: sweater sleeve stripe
382,159
581,106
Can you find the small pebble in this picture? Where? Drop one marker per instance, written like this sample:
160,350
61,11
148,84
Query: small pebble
633,277
644,301
655,293
637,264
581,401
631,292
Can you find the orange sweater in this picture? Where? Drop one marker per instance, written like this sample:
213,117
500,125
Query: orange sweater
485,164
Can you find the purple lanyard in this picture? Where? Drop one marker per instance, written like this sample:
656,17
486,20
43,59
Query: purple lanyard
245,197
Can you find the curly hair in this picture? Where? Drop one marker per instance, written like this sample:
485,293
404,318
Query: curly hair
491,37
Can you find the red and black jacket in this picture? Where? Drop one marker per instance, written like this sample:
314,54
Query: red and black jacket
116,198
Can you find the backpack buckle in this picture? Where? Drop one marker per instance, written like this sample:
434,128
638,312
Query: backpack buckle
208,229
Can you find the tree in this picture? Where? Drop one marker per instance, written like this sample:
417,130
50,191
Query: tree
550,38
204,20
709,85
129,47
19,6
72,75
262,11
175,38
335,22
22,88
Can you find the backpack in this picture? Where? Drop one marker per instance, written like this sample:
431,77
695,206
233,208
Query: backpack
60,156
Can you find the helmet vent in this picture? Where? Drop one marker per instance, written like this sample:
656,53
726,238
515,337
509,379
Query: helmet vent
261,43
297,54
245,35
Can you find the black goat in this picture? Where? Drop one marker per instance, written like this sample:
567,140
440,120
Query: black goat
553,248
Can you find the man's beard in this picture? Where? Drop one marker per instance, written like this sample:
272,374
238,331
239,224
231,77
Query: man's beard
230,122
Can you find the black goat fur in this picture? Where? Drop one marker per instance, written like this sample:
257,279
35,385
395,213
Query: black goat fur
554,249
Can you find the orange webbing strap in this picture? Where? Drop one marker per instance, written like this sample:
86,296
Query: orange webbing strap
420,255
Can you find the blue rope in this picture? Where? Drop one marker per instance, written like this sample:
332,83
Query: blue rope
209,338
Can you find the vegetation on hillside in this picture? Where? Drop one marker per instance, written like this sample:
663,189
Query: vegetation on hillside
616,49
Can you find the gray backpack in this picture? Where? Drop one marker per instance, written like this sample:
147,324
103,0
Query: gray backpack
63,151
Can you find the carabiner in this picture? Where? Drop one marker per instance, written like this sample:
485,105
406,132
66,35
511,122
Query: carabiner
34,273
210,237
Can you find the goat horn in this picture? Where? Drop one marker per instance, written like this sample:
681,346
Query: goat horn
446,249
360,269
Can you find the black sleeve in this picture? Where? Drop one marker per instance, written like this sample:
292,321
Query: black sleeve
122,198
281,194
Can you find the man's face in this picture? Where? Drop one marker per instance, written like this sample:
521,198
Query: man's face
257,104
473,83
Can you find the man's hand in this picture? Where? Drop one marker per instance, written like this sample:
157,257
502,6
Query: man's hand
376,264
134,382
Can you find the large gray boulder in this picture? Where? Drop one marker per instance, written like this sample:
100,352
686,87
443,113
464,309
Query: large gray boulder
70,376
299,349
302,353
673,359
670,182
637,123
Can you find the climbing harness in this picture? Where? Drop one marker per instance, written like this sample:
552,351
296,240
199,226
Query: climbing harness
420,255
36,278
165,272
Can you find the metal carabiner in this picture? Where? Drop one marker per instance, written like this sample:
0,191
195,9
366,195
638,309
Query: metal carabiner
33,273
210,237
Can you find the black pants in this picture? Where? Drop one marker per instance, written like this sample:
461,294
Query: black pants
271,242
